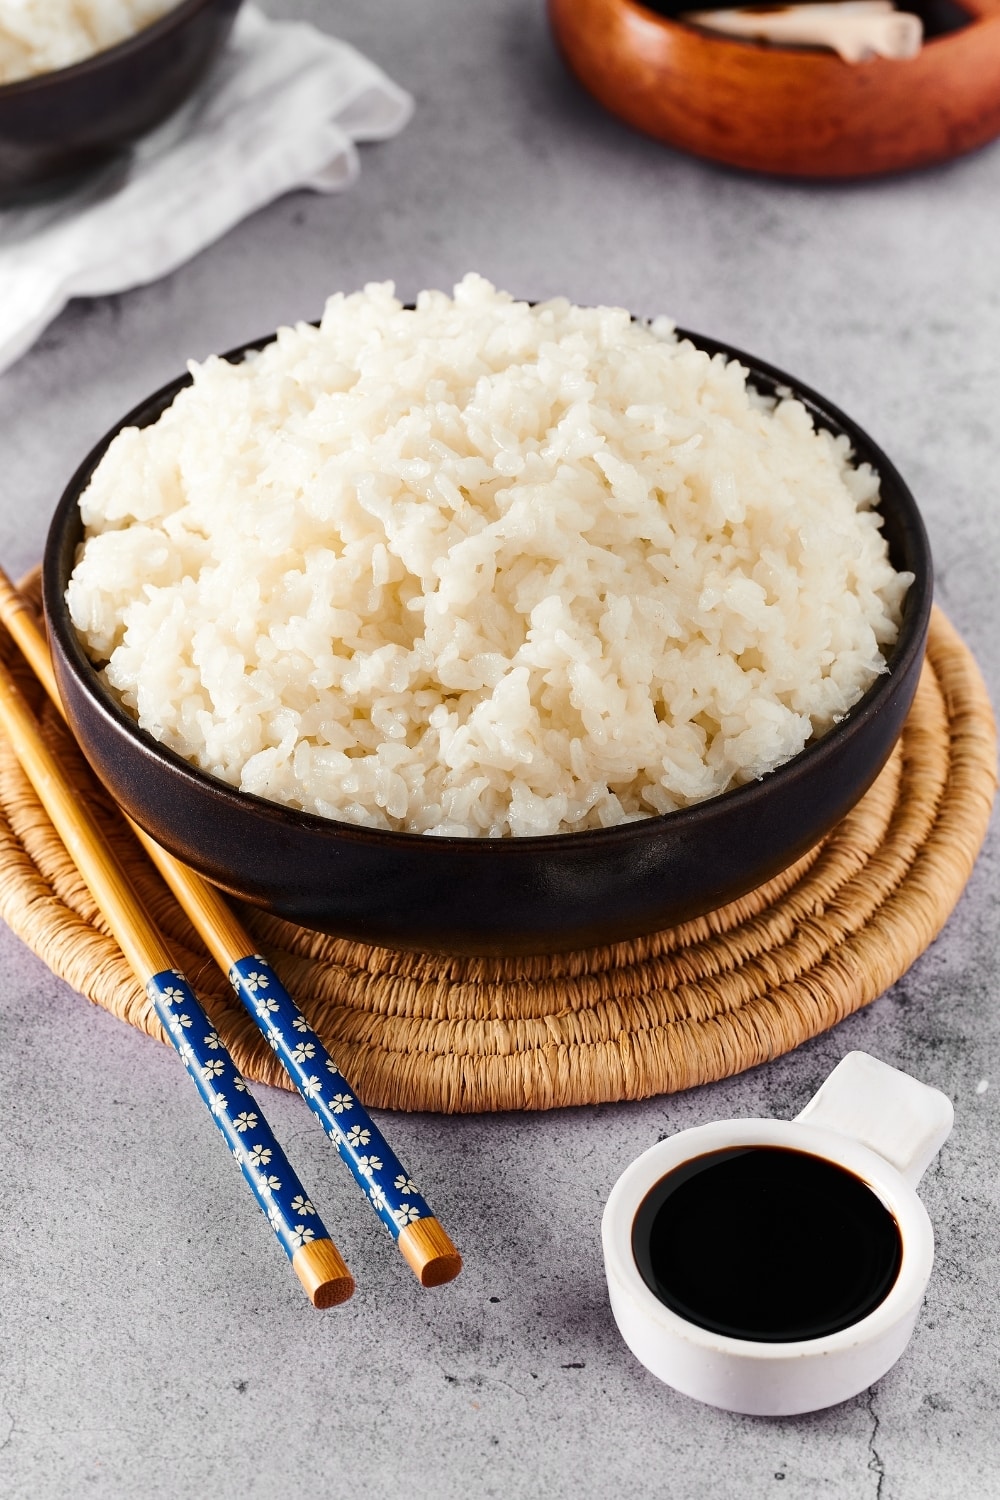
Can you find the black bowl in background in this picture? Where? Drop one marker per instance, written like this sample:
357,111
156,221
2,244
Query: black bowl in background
483,895
57,125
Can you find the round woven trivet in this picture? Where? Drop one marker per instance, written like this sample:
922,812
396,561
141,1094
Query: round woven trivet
680,1007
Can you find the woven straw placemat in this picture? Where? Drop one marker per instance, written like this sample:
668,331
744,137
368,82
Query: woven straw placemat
681,1007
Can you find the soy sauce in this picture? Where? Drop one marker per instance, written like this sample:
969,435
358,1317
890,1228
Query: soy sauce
766,1243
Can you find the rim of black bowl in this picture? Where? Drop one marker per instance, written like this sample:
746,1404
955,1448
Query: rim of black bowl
60,552
175,16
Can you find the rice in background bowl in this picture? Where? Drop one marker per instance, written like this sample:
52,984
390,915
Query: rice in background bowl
483,568
41,36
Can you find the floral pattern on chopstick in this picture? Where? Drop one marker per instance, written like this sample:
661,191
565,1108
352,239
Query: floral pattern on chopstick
377,1170
265,1166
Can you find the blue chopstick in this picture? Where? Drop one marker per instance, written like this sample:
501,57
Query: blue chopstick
265,1167
372,1162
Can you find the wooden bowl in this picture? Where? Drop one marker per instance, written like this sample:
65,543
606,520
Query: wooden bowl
794,111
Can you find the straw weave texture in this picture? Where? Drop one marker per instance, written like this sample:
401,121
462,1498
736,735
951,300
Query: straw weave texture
681,1007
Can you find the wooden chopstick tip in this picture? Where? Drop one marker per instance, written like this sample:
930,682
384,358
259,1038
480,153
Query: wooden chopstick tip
429,1252
323,1273
12,602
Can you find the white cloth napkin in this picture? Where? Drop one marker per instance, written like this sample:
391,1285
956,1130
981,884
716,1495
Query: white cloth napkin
283,108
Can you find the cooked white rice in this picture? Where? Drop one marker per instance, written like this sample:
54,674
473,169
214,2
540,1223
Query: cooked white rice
483,568
39,36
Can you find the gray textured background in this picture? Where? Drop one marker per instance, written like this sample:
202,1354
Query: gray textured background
152,1342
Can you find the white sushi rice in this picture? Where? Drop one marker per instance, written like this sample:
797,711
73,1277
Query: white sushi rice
39,36
483,568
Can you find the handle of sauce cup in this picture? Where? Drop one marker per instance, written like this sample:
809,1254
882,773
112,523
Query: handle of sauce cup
906,1122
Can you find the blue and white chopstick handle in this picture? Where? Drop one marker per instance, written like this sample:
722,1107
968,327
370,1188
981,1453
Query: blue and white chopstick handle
372,1161
266,1168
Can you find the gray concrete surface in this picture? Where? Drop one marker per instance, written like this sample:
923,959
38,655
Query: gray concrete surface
152,1341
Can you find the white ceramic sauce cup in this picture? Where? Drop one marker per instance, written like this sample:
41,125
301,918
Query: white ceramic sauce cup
876,1122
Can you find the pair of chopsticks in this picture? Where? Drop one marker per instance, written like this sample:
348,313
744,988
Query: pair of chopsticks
270,1176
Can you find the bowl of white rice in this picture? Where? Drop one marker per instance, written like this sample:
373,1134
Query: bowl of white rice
485,626
80,80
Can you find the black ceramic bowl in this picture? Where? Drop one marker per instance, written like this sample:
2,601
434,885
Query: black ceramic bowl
56,125
481,895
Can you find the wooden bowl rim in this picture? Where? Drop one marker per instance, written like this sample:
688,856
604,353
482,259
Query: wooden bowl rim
702,37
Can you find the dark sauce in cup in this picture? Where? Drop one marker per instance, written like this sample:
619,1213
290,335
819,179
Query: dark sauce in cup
766,1243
